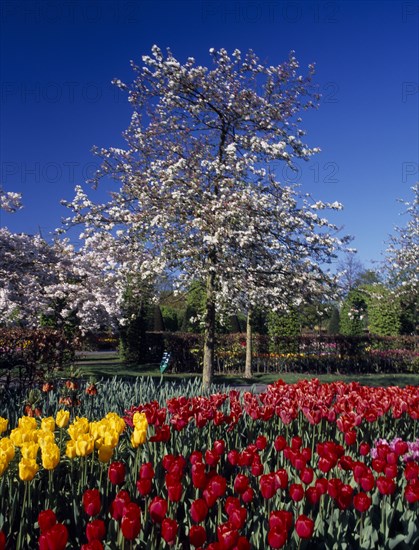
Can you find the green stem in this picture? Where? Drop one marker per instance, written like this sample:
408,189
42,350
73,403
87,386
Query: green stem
22,517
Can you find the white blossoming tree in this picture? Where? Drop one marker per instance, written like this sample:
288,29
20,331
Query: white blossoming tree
198,184
403,257
41,280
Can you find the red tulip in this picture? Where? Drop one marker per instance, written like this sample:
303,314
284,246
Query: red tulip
296,491
304,527
346,463
296,443
131,525
231,503
350,437
411,492
169,529
364,449
94,545
281,479
298,461
219,446
174,491
267,485
312,495
95,530
367,482
199,477
333,487
245,458
261,442
411,471
280,443
242,544
196,456
199,510
144,486
46,520
277,538
306,452
197,535
116,473
257,467
233,457
217,485
57,537
91,502
241,483
227,535
362,502
212,458
120,501
344,498
390,470
162,434
146,471
392,457
280,520
359,470
321,485
157,509
378,465
401,448
237,517
248,495
386,485
306,475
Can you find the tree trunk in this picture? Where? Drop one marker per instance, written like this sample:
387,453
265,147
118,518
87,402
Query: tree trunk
209,336
248,364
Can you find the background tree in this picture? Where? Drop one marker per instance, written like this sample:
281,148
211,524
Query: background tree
384,310
353,313
334,321
350,269
282,325
198,180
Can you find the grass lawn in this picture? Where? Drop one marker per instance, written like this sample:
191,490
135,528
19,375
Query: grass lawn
108,364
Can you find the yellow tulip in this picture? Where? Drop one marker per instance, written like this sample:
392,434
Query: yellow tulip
20,436
70,450
3,424
139,420
62,418
79,427
27,423
27,469
116,422
48,424
111,438
7,447
138,437
84,445
44,437
29,450
50,456
105,453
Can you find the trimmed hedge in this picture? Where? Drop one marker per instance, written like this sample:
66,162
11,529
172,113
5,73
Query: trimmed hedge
307,353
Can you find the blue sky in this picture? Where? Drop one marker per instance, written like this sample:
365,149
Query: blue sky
56,98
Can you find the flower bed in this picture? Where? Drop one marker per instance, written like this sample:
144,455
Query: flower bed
304,465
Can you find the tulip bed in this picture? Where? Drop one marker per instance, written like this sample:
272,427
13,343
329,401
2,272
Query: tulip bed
305,465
